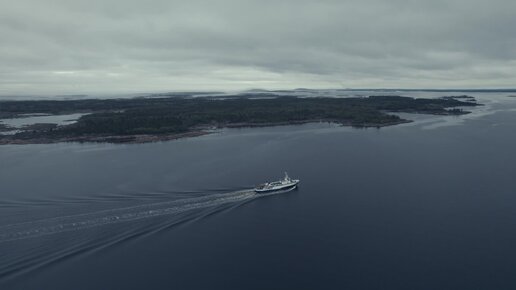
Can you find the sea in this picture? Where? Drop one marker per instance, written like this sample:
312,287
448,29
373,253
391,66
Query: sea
424,205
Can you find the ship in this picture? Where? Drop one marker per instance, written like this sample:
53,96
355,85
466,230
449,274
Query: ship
283,184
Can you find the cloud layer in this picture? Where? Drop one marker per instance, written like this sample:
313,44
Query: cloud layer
95,46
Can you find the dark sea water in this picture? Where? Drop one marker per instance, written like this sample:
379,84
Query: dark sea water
425,205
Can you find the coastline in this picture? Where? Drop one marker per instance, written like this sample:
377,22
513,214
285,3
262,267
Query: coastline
199,131
135,121
113,139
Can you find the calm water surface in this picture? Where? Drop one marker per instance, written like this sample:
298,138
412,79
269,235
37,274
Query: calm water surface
18,123
425,205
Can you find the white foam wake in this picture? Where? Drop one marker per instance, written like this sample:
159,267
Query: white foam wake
99,218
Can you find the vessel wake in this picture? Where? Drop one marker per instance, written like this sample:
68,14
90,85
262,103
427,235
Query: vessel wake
81,221
27,246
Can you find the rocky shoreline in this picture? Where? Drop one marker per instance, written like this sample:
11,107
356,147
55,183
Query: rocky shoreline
136,120
149,138
115,139
343,123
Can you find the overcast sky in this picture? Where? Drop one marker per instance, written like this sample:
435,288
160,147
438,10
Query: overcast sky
96,46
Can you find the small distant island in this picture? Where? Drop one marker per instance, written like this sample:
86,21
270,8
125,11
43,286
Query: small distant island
163,117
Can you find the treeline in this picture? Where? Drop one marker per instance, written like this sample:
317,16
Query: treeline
176,115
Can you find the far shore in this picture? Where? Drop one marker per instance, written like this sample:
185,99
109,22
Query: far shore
200,131
144,120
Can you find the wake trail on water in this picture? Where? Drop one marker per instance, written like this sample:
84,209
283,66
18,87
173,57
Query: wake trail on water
61,224
30,245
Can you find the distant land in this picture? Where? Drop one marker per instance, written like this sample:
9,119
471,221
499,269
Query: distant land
379,91
165,117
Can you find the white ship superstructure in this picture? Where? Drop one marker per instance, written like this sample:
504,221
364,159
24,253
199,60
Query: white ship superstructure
285,183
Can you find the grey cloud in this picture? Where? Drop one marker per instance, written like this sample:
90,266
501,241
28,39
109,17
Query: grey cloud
93,46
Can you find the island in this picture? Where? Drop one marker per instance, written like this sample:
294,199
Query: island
162,117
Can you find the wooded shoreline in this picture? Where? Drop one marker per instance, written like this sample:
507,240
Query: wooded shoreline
141,120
